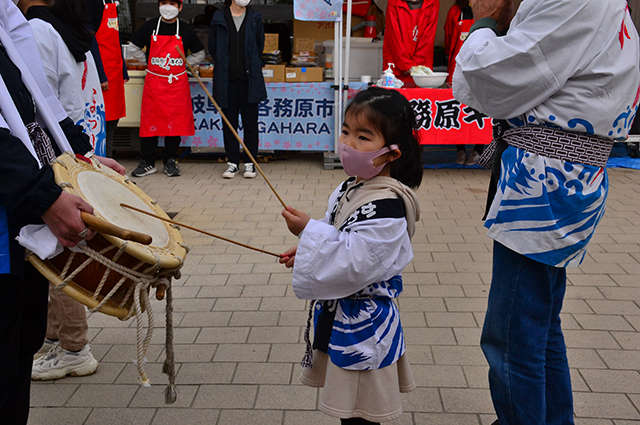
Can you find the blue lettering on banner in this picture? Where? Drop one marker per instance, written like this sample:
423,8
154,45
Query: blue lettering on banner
294,116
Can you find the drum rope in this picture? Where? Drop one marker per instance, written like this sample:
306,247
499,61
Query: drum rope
169,366
144,280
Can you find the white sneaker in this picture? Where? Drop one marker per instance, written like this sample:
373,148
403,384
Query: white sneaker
59,363
249,171
231,171
46,347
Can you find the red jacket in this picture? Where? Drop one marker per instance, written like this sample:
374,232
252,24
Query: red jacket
454,26
409,36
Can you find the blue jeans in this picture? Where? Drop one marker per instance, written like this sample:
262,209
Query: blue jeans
523,343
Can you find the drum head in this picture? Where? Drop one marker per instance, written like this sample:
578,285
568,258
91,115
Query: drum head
105,195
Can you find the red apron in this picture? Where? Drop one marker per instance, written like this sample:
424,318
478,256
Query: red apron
166,98
108,38
458,37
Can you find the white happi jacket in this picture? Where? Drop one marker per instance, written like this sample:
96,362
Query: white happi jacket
572,65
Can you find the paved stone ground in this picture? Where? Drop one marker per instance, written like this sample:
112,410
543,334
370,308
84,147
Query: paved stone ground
238,336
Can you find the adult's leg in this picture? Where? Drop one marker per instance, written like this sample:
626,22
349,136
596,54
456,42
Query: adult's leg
249,113
148,147
521,306
23,316
171,145
231,145
111,130
558,381
71,318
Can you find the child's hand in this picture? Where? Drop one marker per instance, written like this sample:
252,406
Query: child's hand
296,220
288,257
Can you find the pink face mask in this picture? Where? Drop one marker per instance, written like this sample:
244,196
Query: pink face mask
360,164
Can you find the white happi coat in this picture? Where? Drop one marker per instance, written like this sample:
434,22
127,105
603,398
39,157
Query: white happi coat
570,64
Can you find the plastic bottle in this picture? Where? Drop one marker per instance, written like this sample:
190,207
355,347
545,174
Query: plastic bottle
388,78
328,66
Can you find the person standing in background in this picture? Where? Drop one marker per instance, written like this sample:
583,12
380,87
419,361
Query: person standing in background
166,98
236,42
112,68
409,36
64,46
29,195
563,77
57,31
456,29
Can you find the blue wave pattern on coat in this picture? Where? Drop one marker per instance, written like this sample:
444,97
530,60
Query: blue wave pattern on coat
547,209
367,333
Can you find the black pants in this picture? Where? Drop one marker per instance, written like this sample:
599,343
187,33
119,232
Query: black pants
111,130
149,145
238,104
23,323
478,148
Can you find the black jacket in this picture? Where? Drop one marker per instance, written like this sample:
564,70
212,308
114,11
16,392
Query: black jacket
253,46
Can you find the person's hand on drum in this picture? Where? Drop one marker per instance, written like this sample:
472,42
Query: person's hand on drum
111,163
64,220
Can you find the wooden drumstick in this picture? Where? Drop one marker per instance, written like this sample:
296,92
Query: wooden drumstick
200,231
226,121
102,226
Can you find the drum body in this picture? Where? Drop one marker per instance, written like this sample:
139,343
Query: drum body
115,272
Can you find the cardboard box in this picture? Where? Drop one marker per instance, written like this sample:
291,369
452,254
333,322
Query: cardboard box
271,42
303,45
274,73
304,75
321,31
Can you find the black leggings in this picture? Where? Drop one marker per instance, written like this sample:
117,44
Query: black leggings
357,421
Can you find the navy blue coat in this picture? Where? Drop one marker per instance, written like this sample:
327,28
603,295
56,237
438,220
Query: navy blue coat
253,47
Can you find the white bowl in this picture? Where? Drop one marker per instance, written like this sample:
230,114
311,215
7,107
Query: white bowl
435,80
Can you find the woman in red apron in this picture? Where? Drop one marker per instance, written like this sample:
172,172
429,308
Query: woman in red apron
108,38
456,28
166,99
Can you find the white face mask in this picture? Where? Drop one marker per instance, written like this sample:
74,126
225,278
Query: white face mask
242,3
168,11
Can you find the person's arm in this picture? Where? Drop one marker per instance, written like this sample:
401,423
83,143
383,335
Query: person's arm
260,40
192,44
504,77
395,37
212,37
25,189
449,27
332,264
426,40
140,40
95,51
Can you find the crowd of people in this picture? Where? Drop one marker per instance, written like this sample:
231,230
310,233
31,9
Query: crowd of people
533,71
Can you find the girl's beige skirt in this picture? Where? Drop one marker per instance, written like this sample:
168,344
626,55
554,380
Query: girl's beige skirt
370,394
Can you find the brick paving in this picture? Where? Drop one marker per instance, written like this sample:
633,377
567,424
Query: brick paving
238,335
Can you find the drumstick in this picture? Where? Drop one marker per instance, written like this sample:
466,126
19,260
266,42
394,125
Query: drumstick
200,231
102,226
233,130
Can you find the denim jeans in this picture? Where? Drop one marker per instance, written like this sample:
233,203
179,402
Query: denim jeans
523,343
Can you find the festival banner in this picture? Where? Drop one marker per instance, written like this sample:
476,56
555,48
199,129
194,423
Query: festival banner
442,120
301,116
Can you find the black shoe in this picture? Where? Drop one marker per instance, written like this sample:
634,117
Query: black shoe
496,423
144,169
171,168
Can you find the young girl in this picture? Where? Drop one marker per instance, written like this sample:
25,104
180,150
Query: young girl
352,260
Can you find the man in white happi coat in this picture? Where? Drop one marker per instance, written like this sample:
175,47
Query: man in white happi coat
562,79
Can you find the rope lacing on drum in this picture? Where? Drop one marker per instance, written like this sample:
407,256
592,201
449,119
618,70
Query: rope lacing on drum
144,280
